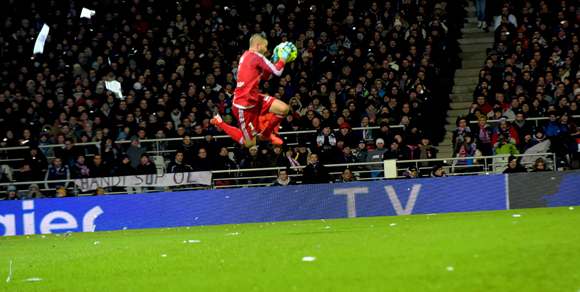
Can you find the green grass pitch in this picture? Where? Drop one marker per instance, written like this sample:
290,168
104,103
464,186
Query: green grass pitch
479,251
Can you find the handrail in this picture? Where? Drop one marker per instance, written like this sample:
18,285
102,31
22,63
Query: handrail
180,139
526,119
444,160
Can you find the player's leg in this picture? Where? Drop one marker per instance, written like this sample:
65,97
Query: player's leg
233,132
279,110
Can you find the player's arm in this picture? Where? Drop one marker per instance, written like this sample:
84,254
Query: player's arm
269,69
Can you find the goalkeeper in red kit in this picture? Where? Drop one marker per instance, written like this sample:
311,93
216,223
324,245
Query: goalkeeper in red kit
248,104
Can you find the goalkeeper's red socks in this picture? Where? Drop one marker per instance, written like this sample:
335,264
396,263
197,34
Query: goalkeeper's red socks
266,134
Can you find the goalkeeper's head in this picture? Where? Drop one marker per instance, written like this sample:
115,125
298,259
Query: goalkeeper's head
258,44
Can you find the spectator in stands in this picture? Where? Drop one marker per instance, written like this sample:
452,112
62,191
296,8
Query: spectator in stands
12,194
223,162
98,169
80,169
203,162
326,145
411,172
37,162
178,165
135,152
345,134
70,153
315,172
57,171
34,192
283,179
146,166
361,151
540,165
438,171
522,126
396,152
125,168
554,129
376,155
302,154
466,147
252,161
425,151
514,166
346,176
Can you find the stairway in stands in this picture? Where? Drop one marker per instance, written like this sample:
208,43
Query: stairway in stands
473,45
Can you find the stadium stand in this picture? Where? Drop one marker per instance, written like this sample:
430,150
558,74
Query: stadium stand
371,77
526,96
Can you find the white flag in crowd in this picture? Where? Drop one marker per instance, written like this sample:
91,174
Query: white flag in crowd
87,13
39,45
115,87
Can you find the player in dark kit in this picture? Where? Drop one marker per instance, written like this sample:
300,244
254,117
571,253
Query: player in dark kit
248,104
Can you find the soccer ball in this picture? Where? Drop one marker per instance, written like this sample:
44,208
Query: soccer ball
278,50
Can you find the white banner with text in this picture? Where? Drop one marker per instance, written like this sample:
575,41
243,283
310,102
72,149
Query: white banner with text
146,180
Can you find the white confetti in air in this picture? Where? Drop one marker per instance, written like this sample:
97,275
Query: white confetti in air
124,228
39,44
97,242
195,218
393,224
195,240
571,208
9,275
163,255
227,197
517,215
450,269
308,259
87,13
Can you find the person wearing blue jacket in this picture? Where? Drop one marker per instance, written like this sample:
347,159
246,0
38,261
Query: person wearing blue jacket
554,128
57,171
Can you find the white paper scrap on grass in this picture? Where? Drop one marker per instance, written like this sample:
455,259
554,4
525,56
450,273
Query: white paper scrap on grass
308,259
517,215
87,13
40,40
10,275
115,87
34,279
195,240
393,224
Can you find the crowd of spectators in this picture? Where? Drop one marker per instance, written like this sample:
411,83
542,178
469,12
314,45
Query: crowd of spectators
360,64
532,71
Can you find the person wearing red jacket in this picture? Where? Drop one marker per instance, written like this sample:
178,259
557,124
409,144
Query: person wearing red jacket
506,130
248,104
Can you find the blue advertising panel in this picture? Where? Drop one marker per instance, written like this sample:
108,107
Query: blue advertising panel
251,205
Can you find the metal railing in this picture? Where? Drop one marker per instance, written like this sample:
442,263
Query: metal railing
488,168
536,120
157,141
